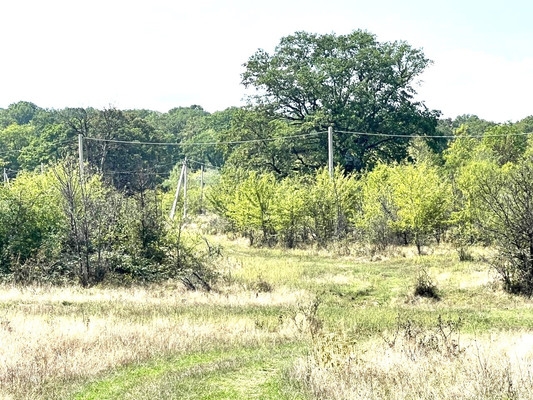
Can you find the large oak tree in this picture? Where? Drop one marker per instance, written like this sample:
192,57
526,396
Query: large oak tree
353,82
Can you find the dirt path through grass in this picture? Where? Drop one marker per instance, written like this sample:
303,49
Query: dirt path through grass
253,373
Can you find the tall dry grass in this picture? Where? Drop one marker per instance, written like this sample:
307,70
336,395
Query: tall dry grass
489,367
52,336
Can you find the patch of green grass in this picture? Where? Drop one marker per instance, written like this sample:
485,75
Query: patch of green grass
366,294
238,374
128,379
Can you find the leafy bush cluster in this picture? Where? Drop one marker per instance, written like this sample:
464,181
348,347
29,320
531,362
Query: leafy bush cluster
292,211
56,227
389,204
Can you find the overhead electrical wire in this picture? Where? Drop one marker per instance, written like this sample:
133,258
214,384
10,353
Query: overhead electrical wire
379,134
435,136
56,143
205,143
115,172
374,134
393,135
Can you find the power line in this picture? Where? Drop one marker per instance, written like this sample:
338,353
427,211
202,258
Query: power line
131,142
203,164
481,136
114,172
56,143
378,134
204,143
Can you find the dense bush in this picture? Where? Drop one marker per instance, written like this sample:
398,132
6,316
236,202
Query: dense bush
381,206
56,227
504,210
31,222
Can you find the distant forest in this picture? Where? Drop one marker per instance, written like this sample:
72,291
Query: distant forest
31,137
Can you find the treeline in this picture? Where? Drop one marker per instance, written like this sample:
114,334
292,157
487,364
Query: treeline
31,136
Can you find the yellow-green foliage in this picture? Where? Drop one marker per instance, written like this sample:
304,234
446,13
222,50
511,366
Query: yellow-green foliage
31,218
378,210
422,199
289,210
461,149
467,208
332,202
409,199
252,206
505,143
39,192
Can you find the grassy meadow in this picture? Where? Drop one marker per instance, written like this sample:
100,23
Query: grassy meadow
279,324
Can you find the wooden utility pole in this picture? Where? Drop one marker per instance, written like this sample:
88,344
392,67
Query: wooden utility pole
185,189
80,154
330,151
202,188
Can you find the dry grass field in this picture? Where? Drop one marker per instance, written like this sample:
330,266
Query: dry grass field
301,324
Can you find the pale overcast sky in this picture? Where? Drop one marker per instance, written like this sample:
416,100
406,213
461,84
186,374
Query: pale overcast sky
160,54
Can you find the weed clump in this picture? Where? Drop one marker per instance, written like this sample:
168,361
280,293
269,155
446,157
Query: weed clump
425,287
262,286
415,340
306,318
415,360
465,255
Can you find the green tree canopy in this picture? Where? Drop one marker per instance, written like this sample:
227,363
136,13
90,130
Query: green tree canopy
259,142
22,112
351,81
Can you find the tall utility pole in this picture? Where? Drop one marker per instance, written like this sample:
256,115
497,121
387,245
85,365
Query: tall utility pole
80,154
185,190
330,151
202,188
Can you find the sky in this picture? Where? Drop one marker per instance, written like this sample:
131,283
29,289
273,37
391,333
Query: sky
161,54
